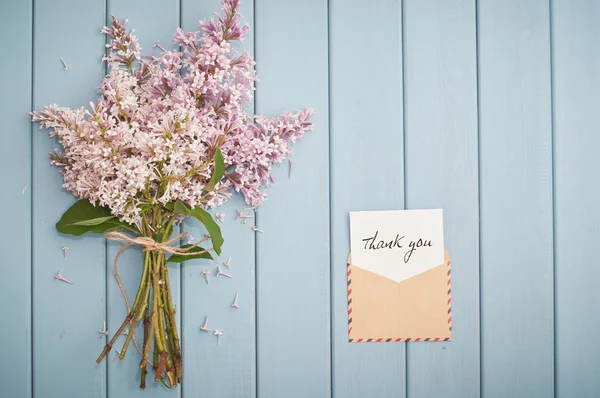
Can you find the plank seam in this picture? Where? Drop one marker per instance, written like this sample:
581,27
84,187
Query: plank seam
105,241
553,183
331,273
479,192
256,337
31,215
182,278
404,185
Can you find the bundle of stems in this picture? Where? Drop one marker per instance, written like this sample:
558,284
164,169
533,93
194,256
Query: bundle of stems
154,302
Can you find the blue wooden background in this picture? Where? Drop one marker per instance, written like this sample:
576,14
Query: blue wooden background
488,109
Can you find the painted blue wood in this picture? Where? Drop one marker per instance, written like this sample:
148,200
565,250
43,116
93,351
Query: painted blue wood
293,326
367,169
67,318
226,370
442,172
576,83
15,197
516,199
302,347
152,21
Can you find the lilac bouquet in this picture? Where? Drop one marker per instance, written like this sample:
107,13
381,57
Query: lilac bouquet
168,138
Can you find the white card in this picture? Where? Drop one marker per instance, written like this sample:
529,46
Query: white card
397,244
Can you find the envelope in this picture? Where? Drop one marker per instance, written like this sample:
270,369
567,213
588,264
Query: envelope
417,309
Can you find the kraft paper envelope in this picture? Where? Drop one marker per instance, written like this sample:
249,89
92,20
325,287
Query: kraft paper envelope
416,309
394,295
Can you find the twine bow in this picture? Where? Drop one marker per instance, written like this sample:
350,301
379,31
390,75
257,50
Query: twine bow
148,245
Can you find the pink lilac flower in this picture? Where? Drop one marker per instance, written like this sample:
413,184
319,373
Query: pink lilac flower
152,135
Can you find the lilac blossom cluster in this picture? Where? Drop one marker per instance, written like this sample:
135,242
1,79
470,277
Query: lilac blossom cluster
152,135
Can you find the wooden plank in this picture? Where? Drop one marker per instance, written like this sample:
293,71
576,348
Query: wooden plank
227,370
440,70
153,21
576,62
516,199
367,171
293,311
15,196
67,318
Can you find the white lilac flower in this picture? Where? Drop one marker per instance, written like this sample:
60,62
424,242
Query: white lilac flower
152,134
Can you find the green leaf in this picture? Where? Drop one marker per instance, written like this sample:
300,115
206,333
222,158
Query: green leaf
119,225
211,226
144,207
94,221
205,218
84,217
181,208
178,258
218,172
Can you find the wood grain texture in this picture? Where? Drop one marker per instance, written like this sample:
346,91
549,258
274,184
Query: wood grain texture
15,198
67,318
440,73
516,199
293,329
367,171
152,21
226,370
576,72
346,59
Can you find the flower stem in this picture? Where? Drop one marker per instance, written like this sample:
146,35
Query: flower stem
173,332
154,304
143,363
159,339
138,306
108,347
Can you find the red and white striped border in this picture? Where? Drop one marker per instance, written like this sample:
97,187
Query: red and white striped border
349,298
449,284
399,339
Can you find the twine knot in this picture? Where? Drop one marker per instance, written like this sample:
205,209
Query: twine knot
148,244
